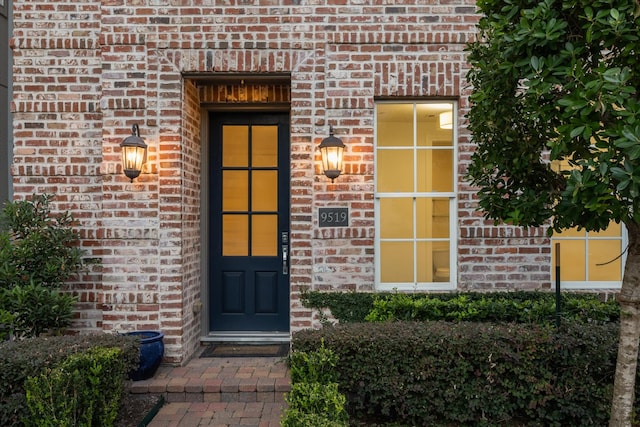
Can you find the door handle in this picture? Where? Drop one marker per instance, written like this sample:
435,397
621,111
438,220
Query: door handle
285,259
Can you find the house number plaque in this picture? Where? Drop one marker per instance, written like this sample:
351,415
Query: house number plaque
333,217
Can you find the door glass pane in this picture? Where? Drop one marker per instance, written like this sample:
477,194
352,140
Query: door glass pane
264,194
395,171
396,262
264,235
235,235
264,146
235,188
396,218
602,266
235,146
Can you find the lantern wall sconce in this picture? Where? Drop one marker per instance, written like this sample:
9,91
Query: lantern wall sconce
134,154
446,120
332,153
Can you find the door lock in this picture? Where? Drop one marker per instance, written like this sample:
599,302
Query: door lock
284,240
285,259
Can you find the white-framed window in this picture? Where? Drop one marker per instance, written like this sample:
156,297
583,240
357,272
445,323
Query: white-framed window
415,195
590,260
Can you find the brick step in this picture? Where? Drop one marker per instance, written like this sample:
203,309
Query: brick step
219,380
266,390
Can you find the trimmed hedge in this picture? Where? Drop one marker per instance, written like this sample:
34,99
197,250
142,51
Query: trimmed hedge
347,307
31,357
498,307
514,306
84,390
480,374
314,399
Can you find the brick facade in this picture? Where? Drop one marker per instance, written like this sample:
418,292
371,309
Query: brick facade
85,71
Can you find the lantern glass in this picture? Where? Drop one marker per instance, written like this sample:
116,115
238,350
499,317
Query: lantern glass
132,159
134,154
332,161
332,152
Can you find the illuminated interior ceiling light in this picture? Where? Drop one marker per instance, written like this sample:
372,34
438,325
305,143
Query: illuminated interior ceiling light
446,120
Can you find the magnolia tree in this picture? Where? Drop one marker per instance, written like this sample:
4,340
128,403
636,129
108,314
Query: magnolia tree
559,81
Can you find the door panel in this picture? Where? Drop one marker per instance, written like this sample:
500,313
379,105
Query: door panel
267,292
249,282
233,292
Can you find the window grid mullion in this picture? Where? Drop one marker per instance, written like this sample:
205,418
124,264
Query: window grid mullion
415,190
586,256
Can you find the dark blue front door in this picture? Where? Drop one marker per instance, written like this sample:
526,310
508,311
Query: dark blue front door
249,233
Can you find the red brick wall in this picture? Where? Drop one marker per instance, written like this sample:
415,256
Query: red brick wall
58,123
186,323
85,71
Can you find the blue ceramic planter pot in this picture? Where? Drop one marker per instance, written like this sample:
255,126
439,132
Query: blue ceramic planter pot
151,352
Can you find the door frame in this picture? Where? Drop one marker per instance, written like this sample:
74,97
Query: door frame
202,307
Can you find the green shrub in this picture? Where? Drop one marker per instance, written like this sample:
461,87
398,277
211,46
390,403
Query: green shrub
36,309
6,324
469,373
37,246
39,251
296,418
316,401
515,306
31,357
313,367
83,391
590,309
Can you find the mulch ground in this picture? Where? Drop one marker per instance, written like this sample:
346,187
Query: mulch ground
134,408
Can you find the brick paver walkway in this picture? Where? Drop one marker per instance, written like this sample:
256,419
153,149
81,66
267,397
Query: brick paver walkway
218,414
220,392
